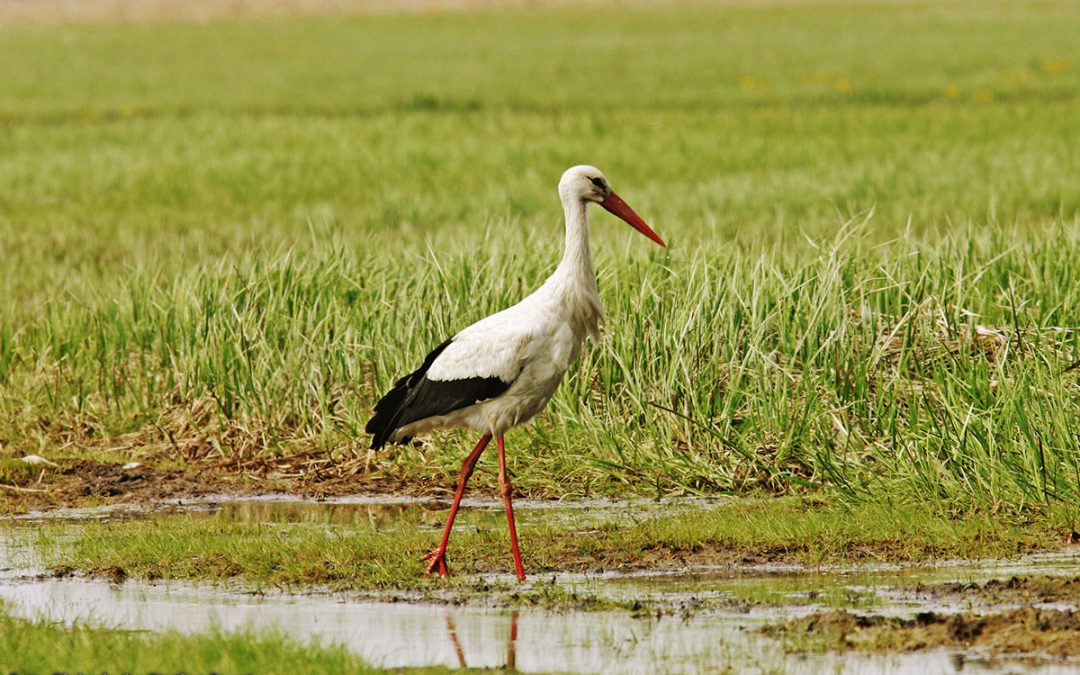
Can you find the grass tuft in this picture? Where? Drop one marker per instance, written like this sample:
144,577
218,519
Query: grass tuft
41,646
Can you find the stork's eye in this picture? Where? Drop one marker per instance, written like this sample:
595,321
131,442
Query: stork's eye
597,182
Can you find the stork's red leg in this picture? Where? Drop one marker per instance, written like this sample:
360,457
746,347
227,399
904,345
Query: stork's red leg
504,486
438,556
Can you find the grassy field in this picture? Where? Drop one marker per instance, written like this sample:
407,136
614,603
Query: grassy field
227,239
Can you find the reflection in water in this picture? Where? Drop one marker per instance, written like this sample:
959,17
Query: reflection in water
454,640
379,515
383,511
511,653
511,657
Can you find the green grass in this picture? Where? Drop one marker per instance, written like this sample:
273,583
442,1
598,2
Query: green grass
230,237
42,646
364,556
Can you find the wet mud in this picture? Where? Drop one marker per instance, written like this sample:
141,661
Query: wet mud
1039,589
1040,633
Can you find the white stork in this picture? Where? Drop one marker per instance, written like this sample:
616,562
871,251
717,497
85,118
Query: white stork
502,370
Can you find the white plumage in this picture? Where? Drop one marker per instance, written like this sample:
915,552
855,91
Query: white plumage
502,370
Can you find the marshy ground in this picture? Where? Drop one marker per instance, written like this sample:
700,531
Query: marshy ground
731,612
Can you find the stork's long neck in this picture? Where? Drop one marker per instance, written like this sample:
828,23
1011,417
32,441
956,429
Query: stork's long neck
577,259
574,281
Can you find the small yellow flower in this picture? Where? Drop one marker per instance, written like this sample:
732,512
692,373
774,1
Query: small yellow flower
842,85
981,96
952,91
817,77
1055,66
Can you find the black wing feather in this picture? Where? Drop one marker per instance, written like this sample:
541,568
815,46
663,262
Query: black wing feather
415,397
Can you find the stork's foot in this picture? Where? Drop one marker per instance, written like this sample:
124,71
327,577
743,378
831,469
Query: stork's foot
438,562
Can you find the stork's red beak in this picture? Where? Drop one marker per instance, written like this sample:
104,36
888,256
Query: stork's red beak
616,205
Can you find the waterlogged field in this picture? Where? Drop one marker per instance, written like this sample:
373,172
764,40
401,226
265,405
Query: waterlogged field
221,240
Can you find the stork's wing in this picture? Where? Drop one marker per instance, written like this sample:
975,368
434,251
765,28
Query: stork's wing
469,368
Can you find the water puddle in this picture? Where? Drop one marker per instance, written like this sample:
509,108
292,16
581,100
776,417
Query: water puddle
718,630
398,635
378,510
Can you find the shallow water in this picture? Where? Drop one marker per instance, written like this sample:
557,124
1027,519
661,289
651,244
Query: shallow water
402,634
884,589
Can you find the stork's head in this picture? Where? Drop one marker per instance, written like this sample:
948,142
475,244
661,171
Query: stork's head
587,184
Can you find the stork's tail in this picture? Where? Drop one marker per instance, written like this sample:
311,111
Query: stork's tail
389,409
387,412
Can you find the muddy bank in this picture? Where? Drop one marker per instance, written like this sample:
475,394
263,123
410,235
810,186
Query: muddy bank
1028,630
1021,590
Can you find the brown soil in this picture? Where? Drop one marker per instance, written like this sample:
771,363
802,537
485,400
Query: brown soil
1028,630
